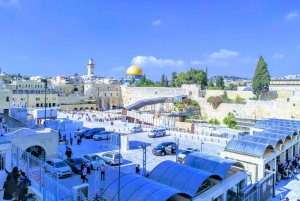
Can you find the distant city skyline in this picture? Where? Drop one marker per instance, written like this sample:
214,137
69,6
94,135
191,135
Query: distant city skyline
50,38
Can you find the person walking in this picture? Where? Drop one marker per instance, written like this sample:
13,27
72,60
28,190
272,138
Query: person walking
9,188
83,174
137,169
102,169
71,140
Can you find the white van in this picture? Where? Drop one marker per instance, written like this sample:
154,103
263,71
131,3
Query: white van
157,132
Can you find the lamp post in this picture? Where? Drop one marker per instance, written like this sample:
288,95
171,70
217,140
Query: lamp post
177,143
45,101
201,143
144,147
119,167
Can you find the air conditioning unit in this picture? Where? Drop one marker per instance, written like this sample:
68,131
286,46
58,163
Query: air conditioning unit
83,188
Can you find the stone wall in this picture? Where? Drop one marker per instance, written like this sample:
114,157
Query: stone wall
252,109
231,94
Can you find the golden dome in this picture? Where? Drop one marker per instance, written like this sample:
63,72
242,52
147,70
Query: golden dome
134,70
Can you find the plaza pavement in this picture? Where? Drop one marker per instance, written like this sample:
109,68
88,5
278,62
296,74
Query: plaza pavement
132,157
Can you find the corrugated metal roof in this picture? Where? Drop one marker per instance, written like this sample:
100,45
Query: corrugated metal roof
281,132
135,187
248,148
283,123
212,164
282,137
181,177
262,140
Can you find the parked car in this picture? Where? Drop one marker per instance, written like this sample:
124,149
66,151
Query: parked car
136,129
92,132
160,132
165,148
62,168
75,164
102,135
82,132
186,152
94,159
112,158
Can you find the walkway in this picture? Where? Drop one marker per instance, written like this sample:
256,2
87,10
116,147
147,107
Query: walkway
287,188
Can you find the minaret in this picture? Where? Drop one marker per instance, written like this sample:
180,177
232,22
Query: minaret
91,67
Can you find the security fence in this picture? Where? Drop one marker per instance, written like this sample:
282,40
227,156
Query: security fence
44,177
261,190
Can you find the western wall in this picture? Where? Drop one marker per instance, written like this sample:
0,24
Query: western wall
279,104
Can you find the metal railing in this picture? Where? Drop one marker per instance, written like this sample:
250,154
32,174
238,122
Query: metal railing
262,190
44,178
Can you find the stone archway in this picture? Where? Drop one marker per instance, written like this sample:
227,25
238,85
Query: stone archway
37,151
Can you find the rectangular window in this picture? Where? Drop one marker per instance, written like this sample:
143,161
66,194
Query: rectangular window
110,94
22,99
37,105
37,99
104,94
7,98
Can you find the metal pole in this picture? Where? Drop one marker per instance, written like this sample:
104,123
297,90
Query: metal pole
45,101
119,168
201,145
177,142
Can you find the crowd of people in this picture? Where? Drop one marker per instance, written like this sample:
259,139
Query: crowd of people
289,168
88,117
16,185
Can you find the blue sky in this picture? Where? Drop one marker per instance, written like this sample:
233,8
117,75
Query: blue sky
50,38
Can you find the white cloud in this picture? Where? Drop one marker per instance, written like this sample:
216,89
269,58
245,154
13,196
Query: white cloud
157,22
292,15
118,69
223,54
278,56
197,62
8,3
151,61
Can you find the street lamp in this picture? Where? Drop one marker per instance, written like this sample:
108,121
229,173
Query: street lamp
144,147
201,143
177,143
119,167
45,100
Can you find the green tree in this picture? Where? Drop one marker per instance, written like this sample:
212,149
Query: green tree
211,84
143,79
230,121
214,121
173,78
220,82
231,87
132,81
162,81
166,84
193,76
261,79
